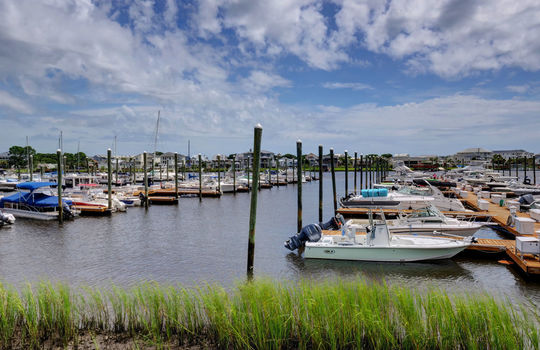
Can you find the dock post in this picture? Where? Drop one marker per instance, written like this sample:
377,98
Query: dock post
524,168
41,172
320,184
200,178
253,206
184,170
234,173
87,167
355,169
534,169
109,180
219,173
333,179
167,170
59,178
145,180
299,179
293,171
346,173
361,172
116,173
31,167
176,174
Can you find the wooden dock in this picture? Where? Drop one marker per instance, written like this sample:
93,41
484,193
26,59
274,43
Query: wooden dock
498,214
92,210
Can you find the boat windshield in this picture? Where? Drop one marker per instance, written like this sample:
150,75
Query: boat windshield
413,191
430,211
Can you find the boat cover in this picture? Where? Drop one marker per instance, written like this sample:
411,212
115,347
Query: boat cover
34,185
39,200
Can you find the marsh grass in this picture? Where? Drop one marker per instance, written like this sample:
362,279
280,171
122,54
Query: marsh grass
267,314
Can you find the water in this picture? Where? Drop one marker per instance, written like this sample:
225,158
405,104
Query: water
197,242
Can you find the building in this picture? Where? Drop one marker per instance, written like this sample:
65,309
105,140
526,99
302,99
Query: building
267,158
514,153
312,159
469,154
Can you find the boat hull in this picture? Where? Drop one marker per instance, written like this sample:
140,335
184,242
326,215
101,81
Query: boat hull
386,254
26,214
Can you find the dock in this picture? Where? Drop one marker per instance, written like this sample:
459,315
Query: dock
92,210
498,214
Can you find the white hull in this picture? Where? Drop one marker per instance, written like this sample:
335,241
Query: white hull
388,254
36,215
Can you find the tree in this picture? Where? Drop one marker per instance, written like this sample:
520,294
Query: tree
386,155
18,155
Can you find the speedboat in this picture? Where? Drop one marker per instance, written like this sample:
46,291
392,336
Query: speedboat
404,198
38,203
427,221
379,244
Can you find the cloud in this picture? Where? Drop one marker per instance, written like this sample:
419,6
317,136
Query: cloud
450,38
353,86
14,103
521,89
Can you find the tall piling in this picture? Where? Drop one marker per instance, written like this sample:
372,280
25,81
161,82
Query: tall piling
320,183
145,168
234,174
109,180
59,187
253,206
176,174
355,169
524,168
219,173
534,168
299,179
346,173
200,177
361,171
116,173
333,170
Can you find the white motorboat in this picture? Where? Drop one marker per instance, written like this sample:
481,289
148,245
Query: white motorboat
379,244
404,198
426,221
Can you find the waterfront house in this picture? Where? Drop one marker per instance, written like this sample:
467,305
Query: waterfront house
470,154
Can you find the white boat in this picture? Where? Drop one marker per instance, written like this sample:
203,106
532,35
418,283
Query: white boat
404,198
381,245
426,221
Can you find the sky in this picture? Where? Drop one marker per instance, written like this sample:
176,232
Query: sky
406,76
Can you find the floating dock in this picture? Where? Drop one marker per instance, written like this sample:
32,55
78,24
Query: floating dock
349,213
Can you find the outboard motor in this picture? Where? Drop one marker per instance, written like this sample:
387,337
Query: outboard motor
313,232
68,214
526,199
6,219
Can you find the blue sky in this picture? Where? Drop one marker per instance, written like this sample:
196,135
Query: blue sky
412,77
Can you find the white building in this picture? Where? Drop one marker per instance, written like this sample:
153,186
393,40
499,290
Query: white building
469,154
514,153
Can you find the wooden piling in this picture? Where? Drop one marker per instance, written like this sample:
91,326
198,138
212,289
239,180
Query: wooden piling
219,173
109,180
176,174
534,169
59,178
234,174
116,173
200,178
299,179
524,168
361,171
346,173
253,207
320,183
333,179
145,180
355,169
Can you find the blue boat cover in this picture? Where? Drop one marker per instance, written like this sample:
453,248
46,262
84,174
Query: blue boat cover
34,185
39,200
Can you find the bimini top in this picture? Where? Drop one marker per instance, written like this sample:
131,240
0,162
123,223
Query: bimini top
34,185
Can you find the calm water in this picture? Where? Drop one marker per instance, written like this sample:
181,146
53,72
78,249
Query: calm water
206,241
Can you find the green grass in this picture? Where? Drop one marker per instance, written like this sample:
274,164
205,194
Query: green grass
267,314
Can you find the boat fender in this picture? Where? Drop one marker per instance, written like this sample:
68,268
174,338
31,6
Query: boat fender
510,220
